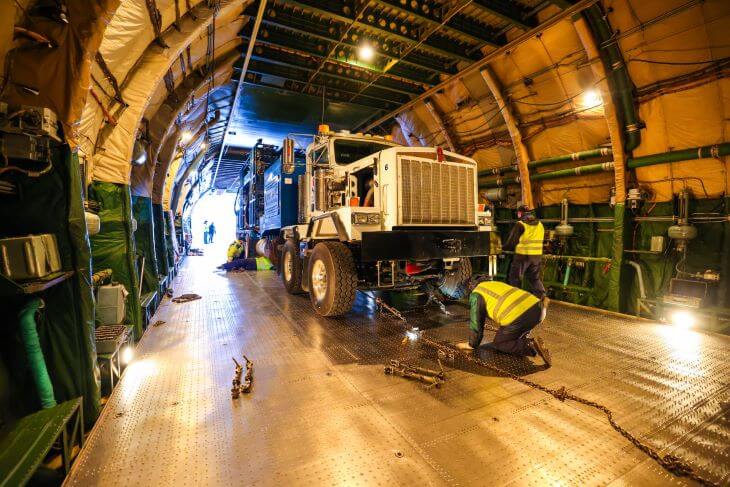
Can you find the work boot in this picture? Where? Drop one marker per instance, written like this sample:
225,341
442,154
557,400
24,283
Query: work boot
542,351
464,346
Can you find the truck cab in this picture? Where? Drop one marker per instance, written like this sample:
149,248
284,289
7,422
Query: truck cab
378,215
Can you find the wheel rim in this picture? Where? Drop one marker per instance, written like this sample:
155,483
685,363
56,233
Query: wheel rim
288,266
319,280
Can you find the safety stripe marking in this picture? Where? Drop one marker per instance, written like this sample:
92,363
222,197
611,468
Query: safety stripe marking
501,301
512,306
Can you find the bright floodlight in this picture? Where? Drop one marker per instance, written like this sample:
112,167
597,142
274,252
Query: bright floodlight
127,354
186,136
591,98
366,52
203,146
682,319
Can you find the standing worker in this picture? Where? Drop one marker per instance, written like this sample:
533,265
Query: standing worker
516,313
526,240
211,232
205,232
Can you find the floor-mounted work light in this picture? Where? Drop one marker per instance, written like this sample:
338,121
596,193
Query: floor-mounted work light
682,318
127,354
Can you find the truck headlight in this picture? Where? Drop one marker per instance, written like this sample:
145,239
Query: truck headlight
366,218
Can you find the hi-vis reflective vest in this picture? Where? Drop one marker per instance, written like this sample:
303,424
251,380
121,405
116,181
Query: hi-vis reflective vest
504,303
531,239
263,264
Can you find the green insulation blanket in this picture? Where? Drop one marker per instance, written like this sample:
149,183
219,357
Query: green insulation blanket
613,292
170,238
114,247
144,237
158,217
52,204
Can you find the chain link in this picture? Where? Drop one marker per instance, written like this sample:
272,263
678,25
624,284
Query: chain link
671,463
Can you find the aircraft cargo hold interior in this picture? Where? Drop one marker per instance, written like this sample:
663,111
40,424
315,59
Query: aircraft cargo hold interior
364,242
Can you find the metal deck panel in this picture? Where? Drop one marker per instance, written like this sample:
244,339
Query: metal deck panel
323,413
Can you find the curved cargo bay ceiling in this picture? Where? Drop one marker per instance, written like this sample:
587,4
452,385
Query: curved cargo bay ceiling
200,38
554,90
503,81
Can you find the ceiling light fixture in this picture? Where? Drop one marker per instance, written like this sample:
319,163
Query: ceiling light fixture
365,52
186,136
591,98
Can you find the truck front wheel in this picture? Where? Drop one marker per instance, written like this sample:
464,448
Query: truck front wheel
291,267
332,279
455,283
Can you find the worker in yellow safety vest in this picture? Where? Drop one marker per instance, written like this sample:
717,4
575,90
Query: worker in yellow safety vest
235,249
515,312
249,264
526,240
236,261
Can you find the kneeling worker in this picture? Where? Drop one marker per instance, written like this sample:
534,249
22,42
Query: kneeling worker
515,311
236,261
235,249
250,264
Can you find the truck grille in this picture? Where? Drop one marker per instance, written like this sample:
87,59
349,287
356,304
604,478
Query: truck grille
436,193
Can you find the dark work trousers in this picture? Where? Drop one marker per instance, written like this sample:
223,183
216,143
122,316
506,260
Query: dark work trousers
245,264
510,339
528,266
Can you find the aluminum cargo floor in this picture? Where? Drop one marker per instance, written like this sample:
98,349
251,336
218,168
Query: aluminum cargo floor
322,412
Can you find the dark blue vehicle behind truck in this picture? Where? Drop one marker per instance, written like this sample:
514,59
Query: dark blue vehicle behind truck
281,197
268,198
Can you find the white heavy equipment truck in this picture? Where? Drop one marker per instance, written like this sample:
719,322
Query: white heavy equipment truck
377,215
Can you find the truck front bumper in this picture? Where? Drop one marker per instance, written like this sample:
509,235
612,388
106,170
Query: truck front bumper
426,244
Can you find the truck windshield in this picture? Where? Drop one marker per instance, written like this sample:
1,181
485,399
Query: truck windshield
348,151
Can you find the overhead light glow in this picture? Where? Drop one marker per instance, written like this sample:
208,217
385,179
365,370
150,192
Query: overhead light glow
186,136
127,355
203,146
365,52
591,98
682,319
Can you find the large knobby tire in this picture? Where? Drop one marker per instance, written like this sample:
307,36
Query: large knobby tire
291,267
455,284
332,279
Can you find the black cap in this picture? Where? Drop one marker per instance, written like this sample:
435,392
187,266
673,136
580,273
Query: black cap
525,213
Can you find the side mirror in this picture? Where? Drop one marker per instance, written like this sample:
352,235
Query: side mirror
287,156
